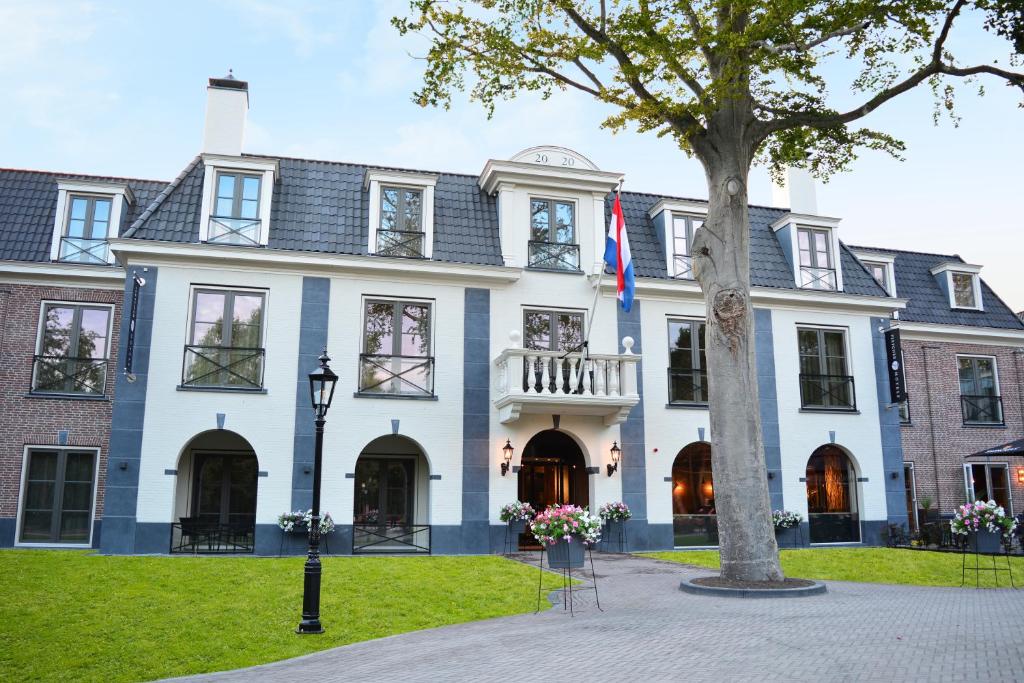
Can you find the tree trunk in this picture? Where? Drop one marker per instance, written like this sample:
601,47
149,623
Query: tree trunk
722,263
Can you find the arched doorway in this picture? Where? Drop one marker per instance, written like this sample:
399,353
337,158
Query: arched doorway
215,501
390,500
553,471
832,497
693,497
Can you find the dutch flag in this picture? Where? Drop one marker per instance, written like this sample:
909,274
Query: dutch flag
617,256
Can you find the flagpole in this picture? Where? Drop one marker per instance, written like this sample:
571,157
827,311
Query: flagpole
597,292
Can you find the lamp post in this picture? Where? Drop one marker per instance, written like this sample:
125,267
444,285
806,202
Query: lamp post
321,391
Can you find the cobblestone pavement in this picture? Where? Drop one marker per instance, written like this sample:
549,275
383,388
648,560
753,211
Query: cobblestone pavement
651,631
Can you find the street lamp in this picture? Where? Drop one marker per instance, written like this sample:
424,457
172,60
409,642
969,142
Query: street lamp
321,391
616,456
507,452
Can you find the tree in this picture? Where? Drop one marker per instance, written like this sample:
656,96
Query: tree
732,82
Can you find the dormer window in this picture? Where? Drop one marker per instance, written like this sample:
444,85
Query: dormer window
816,265
553,242
681,262
236,210
400,232
963,290
87,228
962,284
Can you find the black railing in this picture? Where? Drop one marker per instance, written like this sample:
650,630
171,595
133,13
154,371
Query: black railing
827,392
195,536
222,366
63,375
554,255
84,250
818,278
390,538
682,267
986,409
243,232
404,243
687,386
399,375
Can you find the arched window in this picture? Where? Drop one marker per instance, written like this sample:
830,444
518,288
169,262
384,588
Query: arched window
693,497
832,497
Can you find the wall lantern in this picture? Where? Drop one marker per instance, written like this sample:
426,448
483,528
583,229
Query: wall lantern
1020,475
616,457
507,453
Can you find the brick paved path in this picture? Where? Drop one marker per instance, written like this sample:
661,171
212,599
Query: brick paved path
651,631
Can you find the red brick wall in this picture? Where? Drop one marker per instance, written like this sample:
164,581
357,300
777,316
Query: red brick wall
939,469
28,420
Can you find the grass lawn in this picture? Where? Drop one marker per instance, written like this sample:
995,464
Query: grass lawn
67,615
871,565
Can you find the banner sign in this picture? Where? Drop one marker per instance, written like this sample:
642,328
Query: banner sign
129,354
894,359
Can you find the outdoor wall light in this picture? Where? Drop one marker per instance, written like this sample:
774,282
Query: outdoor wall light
616,456
507,453
894,474
1020,475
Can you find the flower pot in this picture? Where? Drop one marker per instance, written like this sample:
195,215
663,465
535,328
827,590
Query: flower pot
565,555
985,541
788,537
614,534
516,527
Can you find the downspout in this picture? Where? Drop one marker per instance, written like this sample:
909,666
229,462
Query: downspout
931,427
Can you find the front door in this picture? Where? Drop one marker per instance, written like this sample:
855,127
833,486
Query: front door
384,491
225,489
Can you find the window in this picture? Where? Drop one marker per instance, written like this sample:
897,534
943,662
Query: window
553,235
694,521
683,229
979,390
86,230
57,496
988,482
910,490
825,382
963,290
688,370
396,358
235,218
73,348
904,411
879,271
816,269
559,332
225,342
832,497
401,222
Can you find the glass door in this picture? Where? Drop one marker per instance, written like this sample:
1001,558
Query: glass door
385,491
58,497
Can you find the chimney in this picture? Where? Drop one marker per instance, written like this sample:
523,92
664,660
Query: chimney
227,102
796,192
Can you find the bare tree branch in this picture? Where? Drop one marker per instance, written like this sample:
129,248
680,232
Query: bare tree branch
798,46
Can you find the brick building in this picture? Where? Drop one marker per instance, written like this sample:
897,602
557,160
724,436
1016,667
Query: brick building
60,309
963,354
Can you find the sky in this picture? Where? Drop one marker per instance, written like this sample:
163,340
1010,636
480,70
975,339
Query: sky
119,88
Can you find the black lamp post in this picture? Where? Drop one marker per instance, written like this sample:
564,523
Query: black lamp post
321,391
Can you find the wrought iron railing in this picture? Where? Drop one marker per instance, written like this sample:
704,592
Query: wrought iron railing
405,243
390,538
554,255
986,409
687,386
222,366
84,250
401,375
682,267
243,232
818,278
63,375
195,536
829,392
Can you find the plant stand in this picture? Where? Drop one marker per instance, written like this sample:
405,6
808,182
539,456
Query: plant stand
304,532
615,536
567,590
971,547
513,528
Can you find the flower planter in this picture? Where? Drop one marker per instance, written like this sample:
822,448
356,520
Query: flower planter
516,527
788,537
614,535
565,555
985,541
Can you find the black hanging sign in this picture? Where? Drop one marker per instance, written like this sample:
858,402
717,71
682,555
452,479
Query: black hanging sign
129,354
894,359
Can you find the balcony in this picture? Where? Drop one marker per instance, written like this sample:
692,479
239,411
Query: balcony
827,392
818,278
554,256
84,250
401,243
559,383
63,375
206,367
243,232
982,410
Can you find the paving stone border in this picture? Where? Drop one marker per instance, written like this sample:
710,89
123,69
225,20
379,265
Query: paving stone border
688,586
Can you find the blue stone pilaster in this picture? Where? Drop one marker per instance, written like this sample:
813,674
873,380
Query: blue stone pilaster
764,352
476,433
889,424
633,468
313,317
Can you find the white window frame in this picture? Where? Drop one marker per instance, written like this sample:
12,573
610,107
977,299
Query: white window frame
524,309
969,481
430,303
22,490
41,326
670,210
425,182
946,271
213,164
214,287
791,246
995,376
119,194
848,357
888,265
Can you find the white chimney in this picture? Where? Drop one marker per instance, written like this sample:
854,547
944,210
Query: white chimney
796,192
227,103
